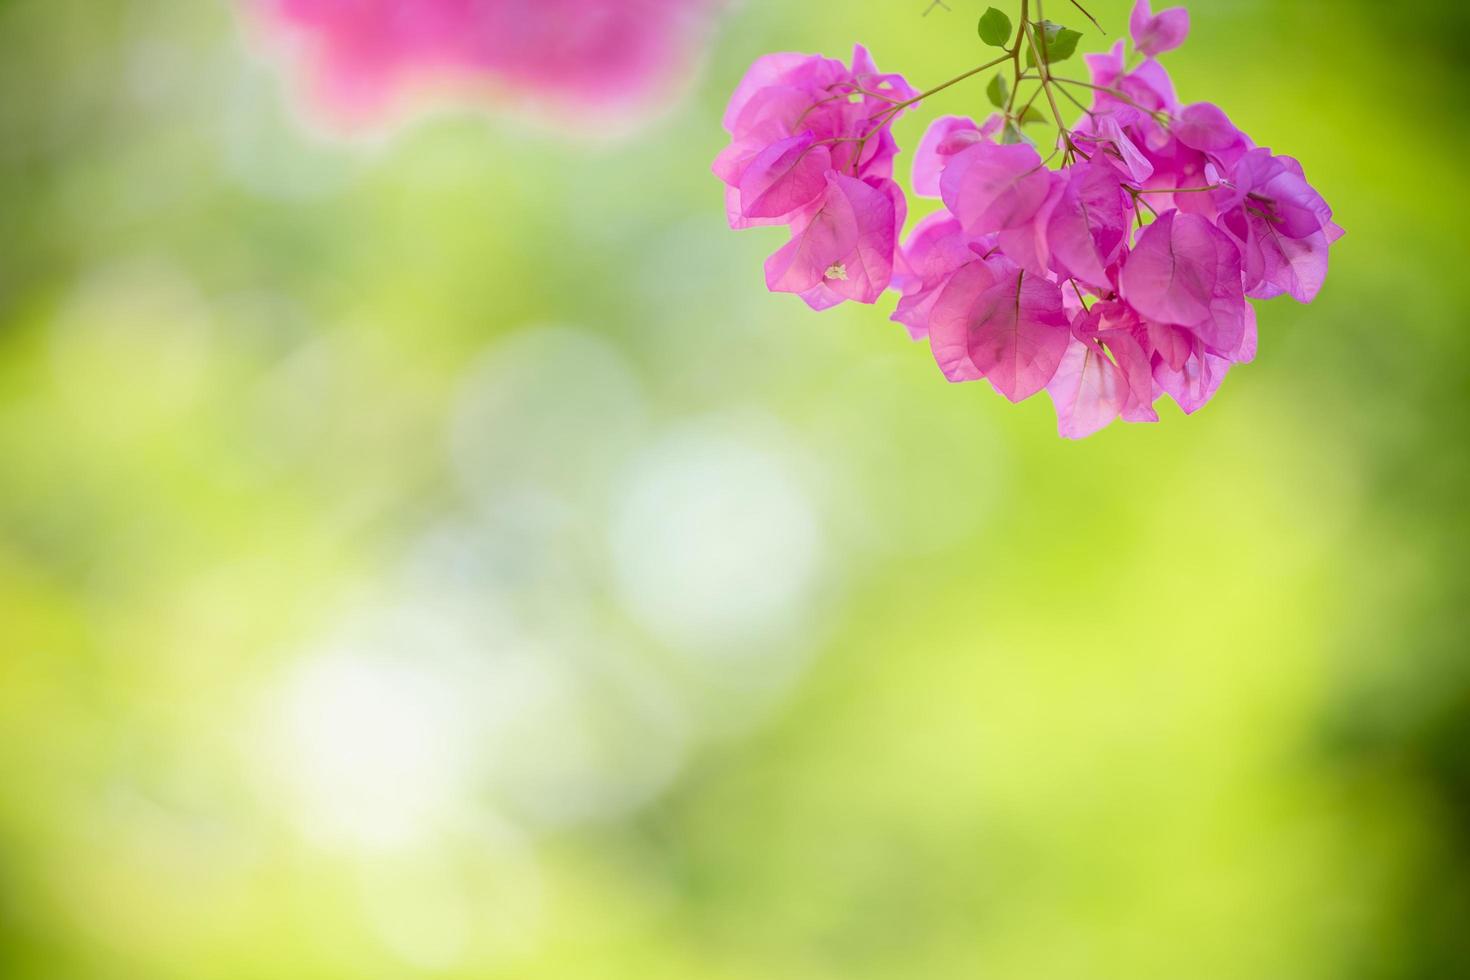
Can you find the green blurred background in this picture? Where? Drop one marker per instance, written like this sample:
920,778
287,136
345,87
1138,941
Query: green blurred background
437,554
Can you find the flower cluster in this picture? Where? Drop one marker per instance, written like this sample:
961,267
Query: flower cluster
575,56
811,148
1120,277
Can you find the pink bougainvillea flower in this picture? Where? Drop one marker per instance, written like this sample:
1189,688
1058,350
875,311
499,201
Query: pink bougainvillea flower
1088,225
945,137
1105,373
784,177
935,249
1277,187
951,314
1154,34
1147,87
844,248
1195,382
1134,361
1118,149
1117,279
1088,389
1205,127
1018,334
1185,272
1106,67
991,187
787,94
1281,224
580,58
810,147
999,322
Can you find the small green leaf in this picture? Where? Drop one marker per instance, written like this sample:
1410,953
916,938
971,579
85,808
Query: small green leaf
995,28
999,91
1012,134
1032,115
1059,42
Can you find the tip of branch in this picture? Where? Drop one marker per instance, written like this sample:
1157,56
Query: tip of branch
1086,13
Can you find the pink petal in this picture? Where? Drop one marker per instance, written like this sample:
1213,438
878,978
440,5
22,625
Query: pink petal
866,74
1134,162
1195,384
935,249
1274,187
992,187
929,158
1203,126
1026,244
739,222
1087,226
1154,34
1133,362
1246,352
1018,334
1150,86
1105,67
1088,390
1185,271
773,113
1295,266
786,176
845,246
829,234
1173,344
881,209
951,315
765,71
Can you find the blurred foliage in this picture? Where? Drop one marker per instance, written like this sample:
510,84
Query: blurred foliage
436,555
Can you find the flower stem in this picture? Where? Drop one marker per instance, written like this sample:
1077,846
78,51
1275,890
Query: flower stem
1177,190
944,85
1080,298
889,114
1115,93
1088,15
1044,69
1015,53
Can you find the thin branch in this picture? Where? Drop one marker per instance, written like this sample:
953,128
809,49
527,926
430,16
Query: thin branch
1080,298
1177,190
1115,93
953,81
1042,66
1015,52
1085,14
1075,102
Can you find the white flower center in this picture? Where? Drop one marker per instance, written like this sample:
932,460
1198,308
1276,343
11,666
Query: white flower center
836,271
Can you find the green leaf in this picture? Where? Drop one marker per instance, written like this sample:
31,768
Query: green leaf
999,91
1012,134
1059,42
995,28
1032,115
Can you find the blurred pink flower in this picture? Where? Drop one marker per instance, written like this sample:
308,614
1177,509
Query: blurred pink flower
1156,33
575,58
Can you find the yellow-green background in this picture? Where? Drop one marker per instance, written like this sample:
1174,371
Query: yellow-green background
437,555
